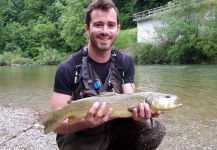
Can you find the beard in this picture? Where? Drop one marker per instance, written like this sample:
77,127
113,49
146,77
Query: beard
101,43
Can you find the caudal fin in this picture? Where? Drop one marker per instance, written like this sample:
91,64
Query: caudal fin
51,121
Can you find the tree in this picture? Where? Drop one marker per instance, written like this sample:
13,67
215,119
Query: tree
2,43
128,7
72,23
182,33
55,10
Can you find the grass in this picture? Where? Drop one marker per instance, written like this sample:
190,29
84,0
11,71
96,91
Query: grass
126,39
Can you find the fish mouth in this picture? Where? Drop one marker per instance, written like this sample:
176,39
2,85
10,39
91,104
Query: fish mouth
174,104
178,102
170,102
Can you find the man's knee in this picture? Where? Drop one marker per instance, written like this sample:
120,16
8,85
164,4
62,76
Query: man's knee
151,138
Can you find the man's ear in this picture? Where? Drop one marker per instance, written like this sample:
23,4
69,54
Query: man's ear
86,27
119,29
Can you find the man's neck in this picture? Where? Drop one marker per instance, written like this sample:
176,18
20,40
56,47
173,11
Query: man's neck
99,56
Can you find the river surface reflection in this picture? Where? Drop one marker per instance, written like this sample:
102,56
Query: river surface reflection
195,84
27,86
195,123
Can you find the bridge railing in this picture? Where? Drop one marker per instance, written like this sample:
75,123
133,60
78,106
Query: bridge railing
151,12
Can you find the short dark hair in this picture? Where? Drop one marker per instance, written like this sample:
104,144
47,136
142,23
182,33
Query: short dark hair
100,4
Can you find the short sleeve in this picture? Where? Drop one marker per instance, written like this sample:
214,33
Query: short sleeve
64,79
129,69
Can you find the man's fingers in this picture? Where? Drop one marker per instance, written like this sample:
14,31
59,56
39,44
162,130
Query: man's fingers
97,114
141,110
101,111
135,114
156,114
108,115
93,110
147,111
144,112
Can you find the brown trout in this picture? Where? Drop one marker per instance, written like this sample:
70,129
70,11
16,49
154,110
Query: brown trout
122,105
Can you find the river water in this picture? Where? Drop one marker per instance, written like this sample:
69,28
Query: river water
194,124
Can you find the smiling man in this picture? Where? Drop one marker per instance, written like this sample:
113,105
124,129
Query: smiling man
97,67
102,30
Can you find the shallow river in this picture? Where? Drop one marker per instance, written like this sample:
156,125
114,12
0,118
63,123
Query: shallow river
194,124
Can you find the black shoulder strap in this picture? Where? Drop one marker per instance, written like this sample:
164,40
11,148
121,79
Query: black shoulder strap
82,71
84,68
117,58
118,61
79,59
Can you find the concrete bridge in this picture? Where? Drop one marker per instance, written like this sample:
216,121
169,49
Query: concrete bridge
146,22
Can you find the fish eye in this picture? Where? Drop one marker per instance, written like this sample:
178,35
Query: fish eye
167,96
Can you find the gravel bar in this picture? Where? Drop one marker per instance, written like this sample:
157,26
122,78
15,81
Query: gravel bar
20,130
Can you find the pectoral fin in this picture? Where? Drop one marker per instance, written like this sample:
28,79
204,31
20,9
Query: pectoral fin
130,109
72,119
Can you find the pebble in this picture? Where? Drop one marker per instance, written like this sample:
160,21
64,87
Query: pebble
20,129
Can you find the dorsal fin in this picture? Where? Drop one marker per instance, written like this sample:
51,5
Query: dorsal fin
107,94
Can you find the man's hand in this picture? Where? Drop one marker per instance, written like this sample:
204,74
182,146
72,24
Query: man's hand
143,112
96,115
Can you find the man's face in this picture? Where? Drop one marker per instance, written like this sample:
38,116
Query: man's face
103,29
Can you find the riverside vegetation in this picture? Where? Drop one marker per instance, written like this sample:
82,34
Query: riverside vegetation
46,32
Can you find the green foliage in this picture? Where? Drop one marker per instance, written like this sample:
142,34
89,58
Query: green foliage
49,56
55,10
126,38
73,25
209,49
187,35
128,7
8,58
146,53
15,36
1,33
185,52
175,30
44,30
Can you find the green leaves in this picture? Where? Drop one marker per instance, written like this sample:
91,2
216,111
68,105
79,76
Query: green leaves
49,56
189,33
72,23
26,32
8,58
29,27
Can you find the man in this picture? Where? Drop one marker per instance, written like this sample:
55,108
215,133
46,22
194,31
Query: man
96,68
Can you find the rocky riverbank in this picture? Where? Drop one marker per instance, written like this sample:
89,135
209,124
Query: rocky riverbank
20,130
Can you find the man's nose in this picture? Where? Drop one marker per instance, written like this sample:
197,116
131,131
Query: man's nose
105,29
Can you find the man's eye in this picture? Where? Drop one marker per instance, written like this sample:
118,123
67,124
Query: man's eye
111,25
98,25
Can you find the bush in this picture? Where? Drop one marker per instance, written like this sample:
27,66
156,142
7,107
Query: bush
145,53
8,58
193,51
49,56
126,39
209,49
